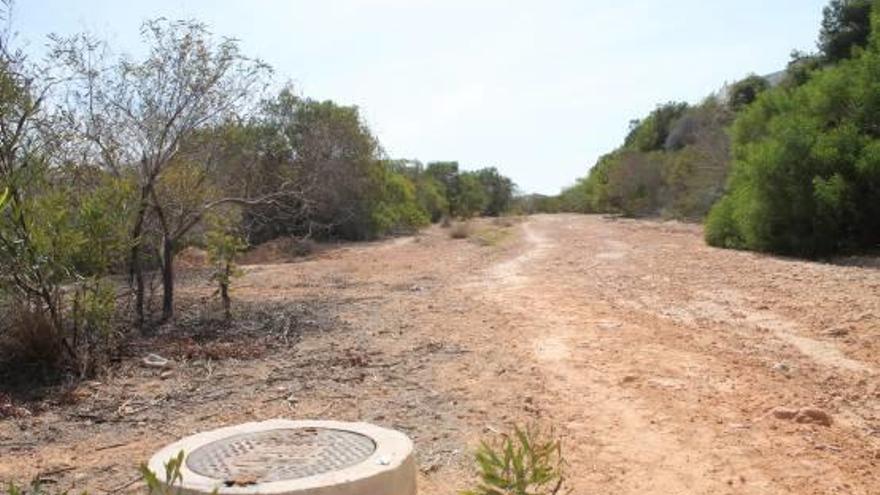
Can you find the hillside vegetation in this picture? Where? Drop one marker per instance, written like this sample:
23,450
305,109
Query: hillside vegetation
791,168
110,166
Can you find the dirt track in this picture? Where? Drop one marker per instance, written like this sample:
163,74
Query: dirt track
659,360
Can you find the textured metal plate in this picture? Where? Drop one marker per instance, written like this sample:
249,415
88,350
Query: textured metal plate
280,455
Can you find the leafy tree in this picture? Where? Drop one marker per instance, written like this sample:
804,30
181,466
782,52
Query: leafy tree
800,68
328,150
224,244
395,208
430,196
744,92
446,175
498,189
472,197
846,24
58,239
138,114
651,133
806,180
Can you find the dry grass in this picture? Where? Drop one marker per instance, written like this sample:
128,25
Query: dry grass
506,221
490,236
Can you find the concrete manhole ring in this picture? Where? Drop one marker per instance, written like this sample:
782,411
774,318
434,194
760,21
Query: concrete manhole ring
295,457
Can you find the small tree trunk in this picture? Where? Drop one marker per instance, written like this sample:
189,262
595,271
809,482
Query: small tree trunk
227,304
167,279
136,270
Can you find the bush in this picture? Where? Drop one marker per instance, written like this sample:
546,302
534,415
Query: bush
527,461
806,178
301,247
28,336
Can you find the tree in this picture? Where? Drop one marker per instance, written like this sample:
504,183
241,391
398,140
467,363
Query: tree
138,114
651,133
331,153
223,246
472,198
446,175
58,238
498,189
744,92
846,24
806,179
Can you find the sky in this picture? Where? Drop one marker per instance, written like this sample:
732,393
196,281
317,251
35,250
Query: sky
538,89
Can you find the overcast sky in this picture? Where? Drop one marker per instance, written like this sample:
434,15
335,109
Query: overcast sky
538,89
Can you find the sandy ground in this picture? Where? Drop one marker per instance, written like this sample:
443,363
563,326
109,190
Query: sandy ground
662,363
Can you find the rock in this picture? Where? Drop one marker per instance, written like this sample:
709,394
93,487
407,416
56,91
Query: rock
629,379
782,368
811,415
784,413
155,361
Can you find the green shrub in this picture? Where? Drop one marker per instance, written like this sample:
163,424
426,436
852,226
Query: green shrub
527,461
806,176
720,228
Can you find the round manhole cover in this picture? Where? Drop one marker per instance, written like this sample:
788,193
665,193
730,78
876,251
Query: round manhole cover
294,457
279,455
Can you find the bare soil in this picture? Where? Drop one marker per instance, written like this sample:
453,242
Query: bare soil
667,366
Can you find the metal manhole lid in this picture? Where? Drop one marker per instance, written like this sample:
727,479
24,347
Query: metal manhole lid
280,454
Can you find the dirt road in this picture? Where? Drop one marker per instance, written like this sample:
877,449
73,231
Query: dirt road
662,362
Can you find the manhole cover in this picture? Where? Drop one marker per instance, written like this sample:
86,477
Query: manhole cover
279,455
294,457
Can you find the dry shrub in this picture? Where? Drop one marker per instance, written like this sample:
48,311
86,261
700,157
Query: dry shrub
461,230
301,247
29,337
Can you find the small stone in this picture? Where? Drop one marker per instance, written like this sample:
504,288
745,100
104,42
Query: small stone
629,379
782,368
811,415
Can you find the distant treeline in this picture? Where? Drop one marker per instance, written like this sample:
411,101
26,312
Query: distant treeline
787,164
